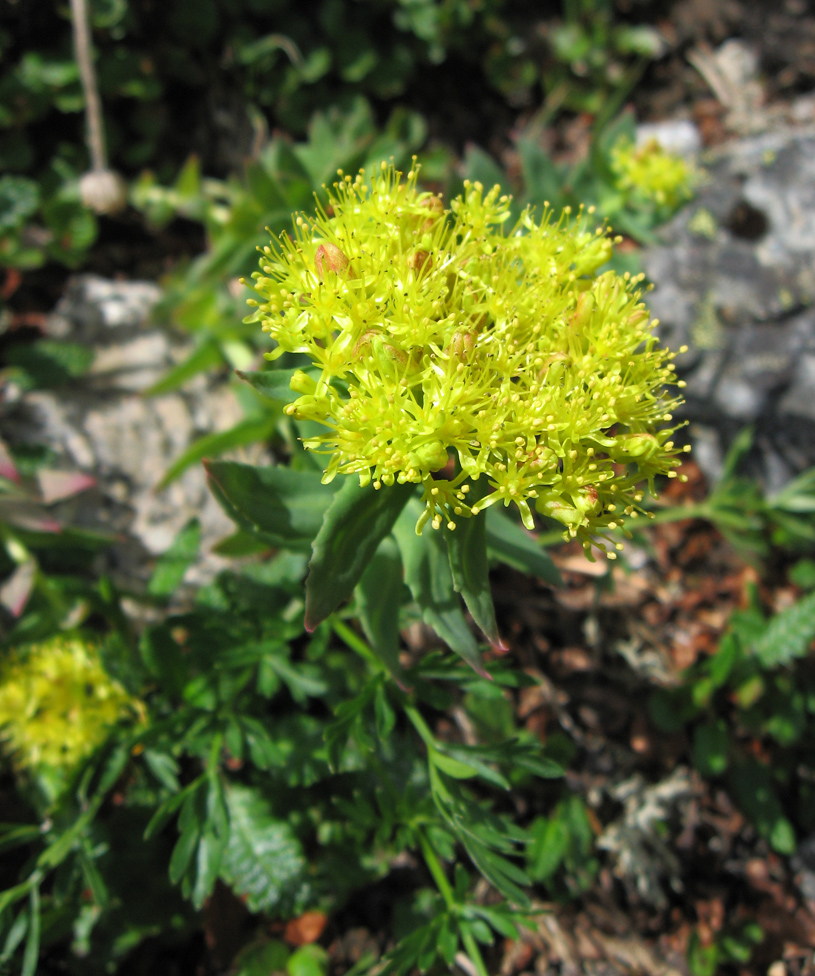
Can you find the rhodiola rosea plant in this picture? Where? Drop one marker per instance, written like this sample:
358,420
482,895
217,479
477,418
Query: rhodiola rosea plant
446,374
443,380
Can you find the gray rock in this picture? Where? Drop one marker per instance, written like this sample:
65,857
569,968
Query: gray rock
734,279
104,426
676,135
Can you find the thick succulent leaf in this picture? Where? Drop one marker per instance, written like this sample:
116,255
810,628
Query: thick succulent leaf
263,862
274,383
379,596
511,544
427,573
357,521
467,551
280,507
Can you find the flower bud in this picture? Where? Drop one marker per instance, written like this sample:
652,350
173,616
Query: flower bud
431,456
639,445
462,345
583,504
302,383
330,258
582,313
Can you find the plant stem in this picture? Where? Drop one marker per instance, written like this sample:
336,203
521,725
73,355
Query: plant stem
471,947
345,634
435,868
93,103
421,726
437,871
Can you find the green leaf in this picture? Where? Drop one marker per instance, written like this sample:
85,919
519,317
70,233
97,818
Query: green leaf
347,719
183,851
274,383
509,543
755,791
263,862
32,942
211,849
164,767
47,364
501,873
261,959
549,847
379,597
476,759
279,506
789,634
246,432
711,748
174,563
354,525
19,200
308,960
452,767
428,575
15,835
205,358
467,552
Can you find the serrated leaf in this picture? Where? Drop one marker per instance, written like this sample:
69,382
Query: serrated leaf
353,527
279,506
788,635
379,597
467,552
509,543
428,575
263,862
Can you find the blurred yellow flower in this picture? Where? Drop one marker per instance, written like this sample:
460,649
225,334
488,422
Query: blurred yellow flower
57,703
653,173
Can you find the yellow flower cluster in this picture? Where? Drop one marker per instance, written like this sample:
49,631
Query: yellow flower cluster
450,349
653,173
57,703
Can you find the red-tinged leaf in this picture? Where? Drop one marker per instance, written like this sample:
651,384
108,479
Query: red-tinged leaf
8,469
14,593
57,485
